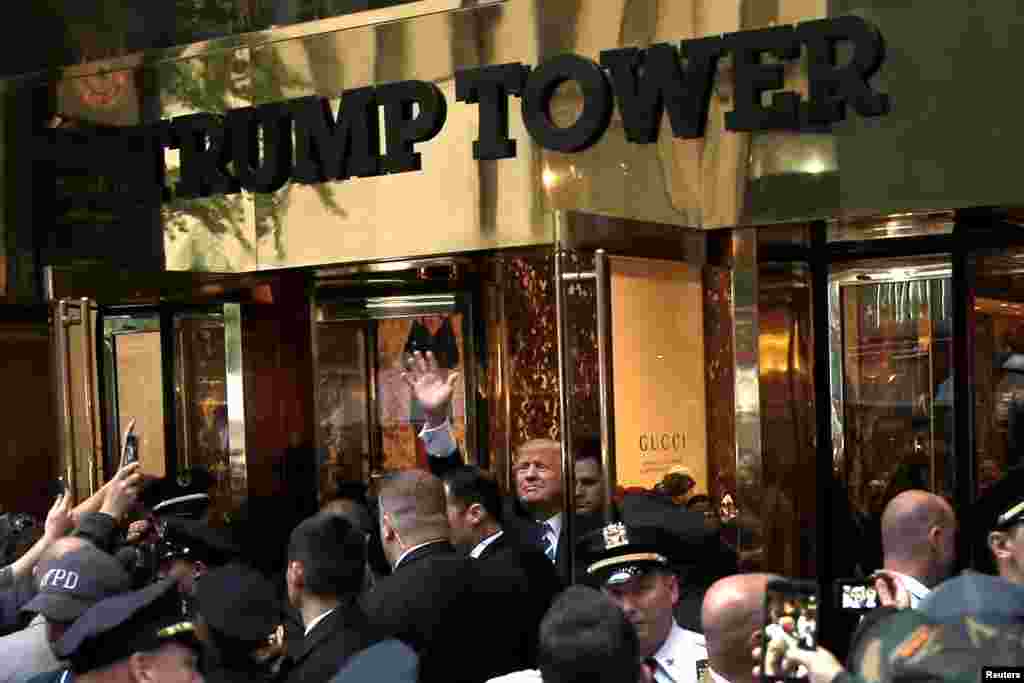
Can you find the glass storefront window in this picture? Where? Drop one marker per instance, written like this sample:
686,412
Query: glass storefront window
998,326
893,368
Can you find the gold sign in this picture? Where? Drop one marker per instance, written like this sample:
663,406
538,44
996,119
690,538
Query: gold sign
658,356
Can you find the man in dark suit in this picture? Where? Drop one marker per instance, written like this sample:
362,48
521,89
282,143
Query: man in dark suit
534,514
437,601
475,514
326,565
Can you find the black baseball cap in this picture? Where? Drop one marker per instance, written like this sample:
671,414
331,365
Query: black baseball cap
116,628
238,602
71,584
1002,506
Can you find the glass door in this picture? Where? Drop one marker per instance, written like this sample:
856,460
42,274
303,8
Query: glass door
171,368
368,422
892,382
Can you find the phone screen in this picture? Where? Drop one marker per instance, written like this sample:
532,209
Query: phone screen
856,595
791,618
131,448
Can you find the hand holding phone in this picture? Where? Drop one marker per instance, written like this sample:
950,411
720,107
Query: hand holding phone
791,621
130,445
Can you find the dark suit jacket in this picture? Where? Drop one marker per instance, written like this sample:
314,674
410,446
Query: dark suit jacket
529,568
443,606
318,657
519,524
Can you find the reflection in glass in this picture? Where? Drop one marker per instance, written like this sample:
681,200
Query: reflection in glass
368,421
897,369
201,405
998,328
117,411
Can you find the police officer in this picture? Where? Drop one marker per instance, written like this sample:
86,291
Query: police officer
632,561
190,549
136,636
238,617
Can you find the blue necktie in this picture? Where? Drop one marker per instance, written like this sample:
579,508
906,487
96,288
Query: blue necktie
545,543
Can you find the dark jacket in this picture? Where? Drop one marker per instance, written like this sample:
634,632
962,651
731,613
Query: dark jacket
458,616
322,653
538,582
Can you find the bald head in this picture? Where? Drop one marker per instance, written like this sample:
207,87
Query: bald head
918,536
414,502
732,617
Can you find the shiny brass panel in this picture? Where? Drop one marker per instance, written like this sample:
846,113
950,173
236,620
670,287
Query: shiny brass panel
234,372
455,203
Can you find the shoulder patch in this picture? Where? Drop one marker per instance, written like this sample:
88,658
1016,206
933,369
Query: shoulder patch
914,642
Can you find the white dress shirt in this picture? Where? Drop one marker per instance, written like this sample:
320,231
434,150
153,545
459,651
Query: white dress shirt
438,442
316,621
524,676
478,550
554,531
678,656
918,591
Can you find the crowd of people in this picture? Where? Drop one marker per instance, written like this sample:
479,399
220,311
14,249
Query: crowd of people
441,576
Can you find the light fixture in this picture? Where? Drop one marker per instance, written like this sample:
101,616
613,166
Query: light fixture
549,178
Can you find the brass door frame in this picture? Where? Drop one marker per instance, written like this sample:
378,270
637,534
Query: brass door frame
68,313
110,292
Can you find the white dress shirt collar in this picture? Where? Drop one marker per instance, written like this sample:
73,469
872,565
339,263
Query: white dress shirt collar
478,550
918,591
678,655
417,547
316,621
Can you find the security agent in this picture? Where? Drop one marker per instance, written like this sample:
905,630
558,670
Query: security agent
631,562
137,636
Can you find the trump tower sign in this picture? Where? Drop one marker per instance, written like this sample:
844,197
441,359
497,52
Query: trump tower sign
261,148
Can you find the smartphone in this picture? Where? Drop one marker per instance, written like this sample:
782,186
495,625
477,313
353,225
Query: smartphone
152,464
131,448
791,620
130,445
856,595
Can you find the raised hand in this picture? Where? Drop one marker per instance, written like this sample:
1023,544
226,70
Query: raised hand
123,491
59,520
432,386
